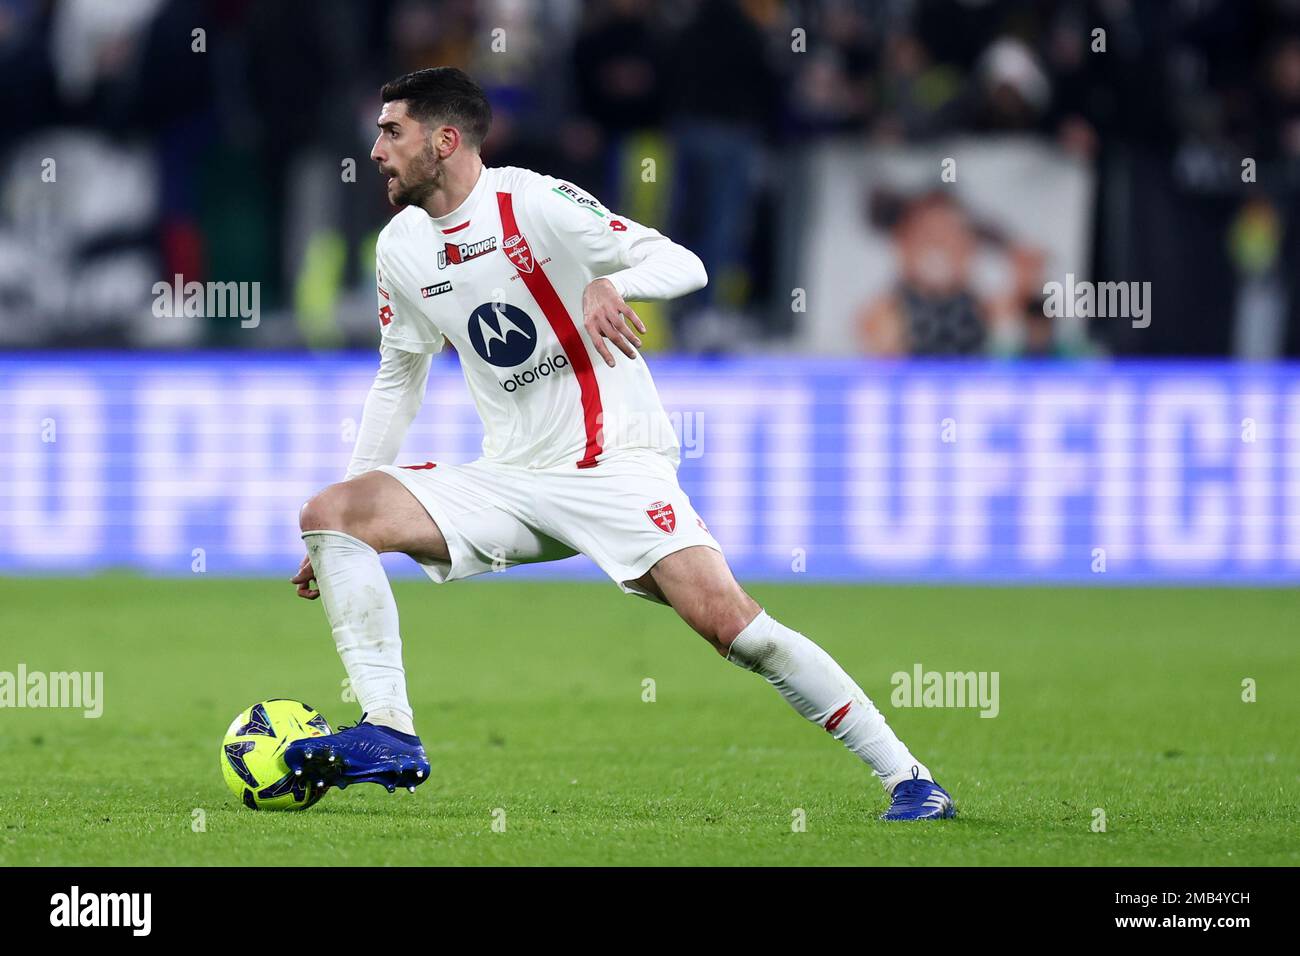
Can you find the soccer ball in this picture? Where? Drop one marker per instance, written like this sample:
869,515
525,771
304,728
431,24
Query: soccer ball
252,755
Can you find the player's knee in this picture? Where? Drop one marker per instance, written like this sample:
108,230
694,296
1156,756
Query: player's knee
722,621
727,628
329,510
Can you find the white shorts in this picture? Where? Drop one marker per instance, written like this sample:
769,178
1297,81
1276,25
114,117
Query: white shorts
625,514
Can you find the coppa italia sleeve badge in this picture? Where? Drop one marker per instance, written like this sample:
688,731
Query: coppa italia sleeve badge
661,513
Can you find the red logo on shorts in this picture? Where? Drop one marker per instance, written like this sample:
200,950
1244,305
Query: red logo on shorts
661,513
424,467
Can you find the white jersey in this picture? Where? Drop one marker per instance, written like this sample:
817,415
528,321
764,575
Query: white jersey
501,278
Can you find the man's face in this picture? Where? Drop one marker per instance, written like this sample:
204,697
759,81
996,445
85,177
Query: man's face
937,246
405,154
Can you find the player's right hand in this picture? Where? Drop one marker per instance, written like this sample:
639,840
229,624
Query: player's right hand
304,578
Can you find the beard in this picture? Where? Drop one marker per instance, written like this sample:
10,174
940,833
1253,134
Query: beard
419,181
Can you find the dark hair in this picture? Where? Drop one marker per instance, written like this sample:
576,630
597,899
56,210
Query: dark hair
443,95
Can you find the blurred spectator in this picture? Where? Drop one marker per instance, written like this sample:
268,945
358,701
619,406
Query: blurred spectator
1012,91
620,79
723,103
836,90
1280,98
934,309
619,68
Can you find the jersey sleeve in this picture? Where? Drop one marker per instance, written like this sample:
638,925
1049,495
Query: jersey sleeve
401,324
641,262
391,405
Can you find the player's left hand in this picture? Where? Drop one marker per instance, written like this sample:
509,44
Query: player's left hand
606,316
303,579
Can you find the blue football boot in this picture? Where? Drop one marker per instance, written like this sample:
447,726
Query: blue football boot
919,800
363,753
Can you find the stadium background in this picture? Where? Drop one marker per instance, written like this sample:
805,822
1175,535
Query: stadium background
799,149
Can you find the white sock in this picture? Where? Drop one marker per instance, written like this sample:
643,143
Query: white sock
363,616
819,689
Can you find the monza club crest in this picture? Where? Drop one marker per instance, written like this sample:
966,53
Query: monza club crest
661,513
516,247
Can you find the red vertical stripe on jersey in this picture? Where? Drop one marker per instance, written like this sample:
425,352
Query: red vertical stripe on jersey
562,325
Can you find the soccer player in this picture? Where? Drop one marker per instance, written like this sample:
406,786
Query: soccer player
527,277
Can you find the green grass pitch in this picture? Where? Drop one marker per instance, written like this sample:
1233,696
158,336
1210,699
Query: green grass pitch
529,697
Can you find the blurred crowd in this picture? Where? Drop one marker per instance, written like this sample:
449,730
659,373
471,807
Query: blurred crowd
212,139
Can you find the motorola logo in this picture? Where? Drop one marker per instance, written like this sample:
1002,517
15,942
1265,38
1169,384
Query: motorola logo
503,335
